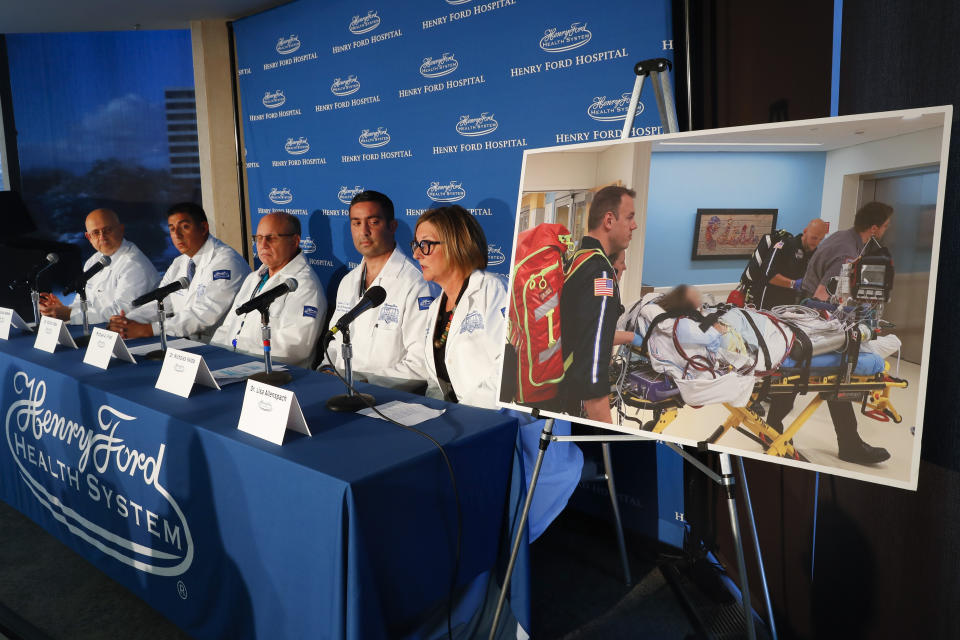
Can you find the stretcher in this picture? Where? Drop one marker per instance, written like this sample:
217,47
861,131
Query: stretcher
638,386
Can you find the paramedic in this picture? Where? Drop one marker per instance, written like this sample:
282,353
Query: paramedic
388,342
872,220
463,341
788,264
214,270
590,305
296,317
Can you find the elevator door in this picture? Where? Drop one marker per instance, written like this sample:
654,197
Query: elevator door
913,196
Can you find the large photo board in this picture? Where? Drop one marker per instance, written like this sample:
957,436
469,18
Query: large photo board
809,349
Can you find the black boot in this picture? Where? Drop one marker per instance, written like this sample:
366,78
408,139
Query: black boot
859,452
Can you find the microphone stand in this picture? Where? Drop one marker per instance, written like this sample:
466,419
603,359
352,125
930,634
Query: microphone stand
268,375
349,401
159,354
83,340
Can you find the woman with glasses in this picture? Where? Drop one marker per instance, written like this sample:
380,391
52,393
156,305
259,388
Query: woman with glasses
466,332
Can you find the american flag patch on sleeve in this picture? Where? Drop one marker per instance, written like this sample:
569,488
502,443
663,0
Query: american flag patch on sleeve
603,287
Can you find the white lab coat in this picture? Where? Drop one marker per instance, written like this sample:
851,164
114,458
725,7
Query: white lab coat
129,274
197,311
296,318
387,341
475,343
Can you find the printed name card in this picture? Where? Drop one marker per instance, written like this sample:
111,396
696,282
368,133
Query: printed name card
52,332
269,411
10,318
104,345
181,370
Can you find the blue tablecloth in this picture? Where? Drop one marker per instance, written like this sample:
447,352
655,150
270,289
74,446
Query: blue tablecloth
346,534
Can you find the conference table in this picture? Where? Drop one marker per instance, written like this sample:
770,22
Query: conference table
347,533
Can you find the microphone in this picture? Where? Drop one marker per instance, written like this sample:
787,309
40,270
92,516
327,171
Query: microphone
373,297
48,261
82,280
161,292
264,299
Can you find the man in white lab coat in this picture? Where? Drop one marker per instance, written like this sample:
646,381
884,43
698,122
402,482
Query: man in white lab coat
387,341
129,274
215,272
296,318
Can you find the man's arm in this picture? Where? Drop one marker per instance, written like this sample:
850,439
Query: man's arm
592,355
206,311
598,409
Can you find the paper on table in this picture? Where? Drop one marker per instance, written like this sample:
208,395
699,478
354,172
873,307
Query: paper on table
178,343
240,372
408,413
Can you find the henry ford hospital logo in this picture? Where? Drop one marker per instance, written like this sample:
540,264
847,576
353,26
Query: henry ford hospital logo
286,46
373,139
436,67
479,126
346,193
280,196
607,109
296,147
556,40
449,192
363,24
274,100
495,255
105,489
307,245
341,87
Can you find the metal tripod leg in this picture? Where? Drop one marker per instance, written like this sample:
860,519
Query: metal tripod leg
612,489
545,436
748,503
728,482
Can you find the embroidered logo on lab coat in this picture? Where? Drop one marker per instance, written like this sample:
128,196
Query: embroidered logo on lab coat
390,314
425,302
221,274
201,290
309,312
473,322
343,307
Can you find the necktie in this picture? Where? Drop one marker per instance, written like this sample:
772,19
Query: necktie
191,270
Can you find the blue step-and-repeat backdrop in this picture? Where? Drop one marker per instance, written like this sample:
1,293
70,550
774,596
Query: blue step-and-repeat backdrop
429,101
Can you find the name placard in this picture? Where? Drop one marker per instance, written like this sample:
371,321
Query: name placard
269,411
10,318
52,332
105,345
181,370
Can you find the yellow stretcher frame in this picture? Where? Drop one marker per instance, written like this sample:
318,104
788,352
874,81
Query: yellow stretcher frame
875,403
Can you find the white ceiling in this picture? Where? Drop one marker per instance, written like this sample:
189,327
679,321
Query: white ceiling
42,16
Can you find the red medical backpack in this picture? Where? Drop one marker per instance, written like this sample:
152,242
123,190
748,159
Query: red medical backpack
538,276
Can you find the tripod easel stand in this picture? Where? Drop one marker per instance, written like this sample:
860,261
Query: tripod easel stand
658,70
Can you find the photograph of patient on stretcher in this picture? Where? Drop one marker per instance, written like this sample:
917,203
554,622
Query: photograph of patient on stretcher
811,352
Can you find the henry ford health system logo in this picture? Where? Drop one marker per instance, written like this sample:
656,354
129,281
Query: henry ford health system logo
105,491
341,87
607,109
495,255
436,67
274,100
374,139
286,46
307,245
556,40
479,126
296,147
345,195
364,24
280,196
452,191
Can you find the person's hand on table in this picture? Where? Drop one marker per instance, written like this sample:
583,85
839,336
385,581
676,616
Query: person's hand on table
51,306
129,329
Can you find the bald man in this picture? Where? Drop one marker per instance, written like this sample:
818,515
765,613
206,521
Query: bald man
788,263
129,274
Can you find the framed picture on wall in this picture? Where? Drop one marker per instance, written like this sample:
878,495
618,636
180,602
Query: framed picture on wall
720,234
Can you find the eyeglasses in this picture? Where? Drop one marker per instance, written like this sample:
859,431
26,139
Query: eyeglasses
271,238
98,233
425,246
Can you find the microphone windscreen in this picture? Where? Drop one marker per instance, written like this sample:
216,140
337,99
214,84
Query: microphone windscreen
376,295
52,258
184,283
104,260
292,284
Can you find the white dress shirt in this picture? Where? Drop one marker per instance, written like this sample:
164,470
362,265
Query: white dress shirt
387,341
296,318
197,311
129,274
